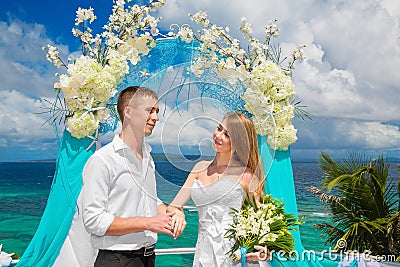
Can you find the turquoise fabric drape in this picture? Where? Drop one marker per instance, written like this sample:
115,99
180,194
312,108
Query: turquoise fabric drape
280,183
72,156
61,204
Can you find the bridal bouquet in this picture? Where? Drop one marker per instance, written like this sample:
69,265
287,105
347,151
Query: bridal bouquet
269,87
264,224
92,79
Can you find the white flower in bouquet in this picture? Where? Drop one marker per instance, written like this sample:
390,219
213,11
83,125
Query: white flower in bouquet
92,79
263,222
269,87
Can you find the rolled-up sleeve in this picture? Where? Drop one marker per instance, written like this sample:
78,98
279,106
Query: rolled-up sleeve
159,202
95,191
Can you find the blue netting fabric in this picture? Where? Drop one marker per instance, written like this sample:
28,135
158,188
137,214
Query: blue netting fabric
169,54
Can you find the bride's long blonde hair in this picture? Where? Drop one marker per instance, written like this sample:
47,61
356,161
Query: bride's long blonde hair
245,146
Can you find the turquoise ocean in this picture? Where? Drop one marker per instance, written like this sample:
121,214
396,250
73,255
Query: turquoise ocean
24,188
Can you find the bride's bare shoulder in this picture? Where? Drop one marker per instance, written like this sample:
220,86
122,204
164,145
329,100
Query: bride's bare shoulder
201,166
247,177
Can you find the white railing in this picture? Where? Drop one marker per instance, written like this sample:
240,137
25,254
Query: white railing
158,251
179,251
168,251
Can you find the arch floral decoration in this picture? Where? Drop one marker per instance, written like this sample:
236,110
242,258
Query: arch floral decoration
127,53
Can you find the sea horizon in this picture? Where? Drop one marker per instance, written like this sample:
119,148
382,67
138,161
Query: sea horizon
157,156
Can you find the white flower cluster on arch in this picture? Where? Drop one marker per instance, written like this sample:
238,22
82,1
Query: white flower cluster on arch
92,79
269,87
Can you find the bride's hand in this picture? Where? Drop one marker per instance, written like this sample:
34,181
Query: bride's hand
261,255
178,220
178,225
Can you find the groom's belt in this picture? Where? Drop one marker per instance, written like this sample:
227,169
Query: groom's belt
144,251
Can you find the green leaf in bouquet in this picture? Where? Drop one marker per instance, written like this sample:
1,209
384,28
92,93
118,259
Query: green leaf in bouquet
262,222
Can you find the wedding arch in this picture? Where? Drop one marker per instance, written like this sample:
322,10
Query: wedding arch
153,63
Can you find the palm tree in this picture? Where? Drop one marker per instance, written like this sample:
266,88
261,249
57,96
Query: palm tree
366,205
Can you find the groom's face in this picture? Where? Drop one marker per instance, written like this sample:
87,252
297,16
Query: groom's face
143,114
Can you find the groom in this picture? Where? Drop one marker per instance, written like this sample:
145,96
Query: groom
121,210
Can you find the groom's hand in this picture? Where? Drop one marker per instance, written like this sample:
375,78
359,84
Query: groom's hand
262,254
161,223
178,225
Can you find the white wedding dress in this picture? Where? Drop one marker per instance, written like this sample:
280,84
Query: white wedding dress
214,202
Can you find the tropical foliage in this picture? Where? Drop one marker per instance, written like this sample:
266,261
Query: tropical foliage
366,205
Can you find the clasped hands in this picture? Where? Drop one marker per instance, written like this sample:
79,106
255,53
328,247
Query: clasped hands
178,221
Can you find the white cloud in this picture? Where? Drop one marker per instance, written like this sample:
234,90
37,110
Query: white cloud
23,65
323,133
187,118
361,39
393,8
375,135
325,90
21,125
27,77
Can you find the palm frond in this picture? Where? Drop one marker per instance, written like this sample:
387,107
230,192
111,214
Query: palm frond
392,196
330,232
364,216
323,196
398,188
393,232
330,168
343,181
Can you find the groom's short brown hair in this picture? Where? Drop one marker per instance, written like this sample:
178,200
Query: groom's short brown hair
128,96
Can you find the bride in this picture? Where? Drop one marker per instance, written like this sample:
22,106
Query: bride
221,184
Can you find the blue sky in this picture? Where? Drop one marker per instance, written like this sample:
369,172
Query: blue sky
349,81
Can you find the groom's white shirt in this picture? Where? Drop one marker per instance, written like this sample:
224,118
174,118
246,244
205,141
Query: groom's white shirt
116,184
77,250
